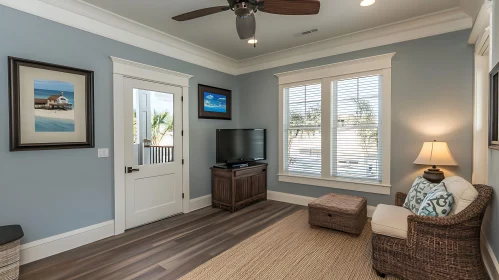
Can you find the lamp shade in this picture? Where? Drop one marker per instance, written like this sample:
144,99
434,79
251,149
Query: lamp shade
435,153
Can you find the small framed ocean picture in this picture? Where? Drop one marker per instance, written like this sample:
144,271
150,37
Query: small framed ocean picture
51,106
214,103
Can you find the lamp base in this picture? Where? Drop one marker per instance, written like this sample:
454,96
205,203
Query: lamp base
434,175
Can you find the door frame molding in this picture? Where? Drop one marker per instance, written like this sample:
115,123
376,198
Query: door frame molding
122,69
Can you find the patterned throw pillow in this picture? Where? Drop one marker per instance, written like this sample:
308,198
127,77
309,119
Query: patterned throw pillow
438,202
420,189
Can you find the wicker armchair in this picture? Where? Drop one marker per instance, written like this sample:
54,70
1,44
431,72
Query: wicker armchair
436,247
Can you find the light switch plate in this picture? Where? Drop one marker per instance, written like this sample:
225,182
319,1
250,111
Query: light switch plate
103,153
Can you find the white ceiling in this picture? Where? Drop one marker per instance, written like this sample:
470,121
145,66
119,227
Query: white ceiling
274,32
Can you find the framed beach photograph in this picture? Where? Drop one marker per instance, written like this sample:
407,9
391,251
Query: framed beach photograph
51,106
214,103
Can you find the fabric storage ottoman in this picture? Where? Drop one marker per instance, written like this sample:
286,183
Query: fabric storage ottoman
10,243
340,212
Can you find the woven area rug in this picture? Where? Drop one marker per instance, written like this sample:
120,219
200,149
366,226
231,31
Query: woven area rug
290,249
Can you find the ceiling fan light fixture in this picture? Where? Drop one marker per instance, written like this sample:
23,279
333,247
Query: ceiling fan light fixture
366,3
252,41
243,9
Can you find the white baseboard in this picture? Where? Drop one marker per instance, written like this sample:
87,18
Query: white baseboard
56,244
289,198
370,210
200,202
303,200
205,201
489,258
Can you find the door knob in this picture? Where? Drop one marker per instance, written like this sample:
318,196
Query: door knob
131,169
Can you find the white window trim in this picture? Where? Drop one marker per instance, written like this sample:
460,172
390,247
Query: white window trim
381,64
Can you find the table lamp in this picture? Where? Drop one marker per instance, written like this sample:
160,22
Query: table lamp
435,153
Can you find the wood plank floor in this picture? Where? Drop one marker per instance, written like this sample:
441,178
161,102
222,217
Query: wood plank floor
167,249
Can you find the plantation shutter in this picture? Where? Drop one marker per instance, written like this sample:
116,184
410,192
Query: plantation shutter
302,129
356,139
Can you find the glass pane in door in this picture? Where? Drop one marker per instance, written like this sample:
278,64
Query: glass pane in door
152,127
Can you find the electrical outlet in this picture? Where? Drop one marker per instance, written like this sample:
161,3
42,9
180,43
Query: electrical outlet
103,153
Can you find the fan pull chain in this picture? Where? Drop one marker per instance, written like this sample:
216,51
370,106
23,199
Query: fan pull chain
254,41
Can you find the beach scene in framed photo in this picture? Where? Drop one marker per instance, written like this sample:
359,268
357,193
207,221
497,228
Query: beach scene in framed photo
54,106
51,106
214,103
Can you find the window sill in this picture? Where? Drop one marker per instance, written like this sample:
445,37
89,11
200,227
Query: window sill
494,147
337,183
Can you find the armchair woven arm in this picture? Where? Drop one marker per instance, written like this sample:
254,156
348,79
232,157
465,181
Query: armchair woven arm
400,199
424,221
441,231
471,216
457,225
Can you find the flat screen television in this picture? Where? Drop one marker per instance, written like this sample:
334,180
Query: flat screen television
241,145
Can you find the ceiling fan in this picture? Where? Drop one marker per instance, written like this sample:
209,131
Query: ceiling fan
245,12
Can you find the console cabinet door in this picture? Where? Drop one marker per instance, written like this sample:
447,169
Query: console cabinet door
250,186
243,188
258,184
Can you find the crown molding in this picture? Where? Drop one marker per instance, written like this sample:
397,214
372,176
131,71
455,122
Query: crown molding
482,22
92,19
84,16
416,28
471,7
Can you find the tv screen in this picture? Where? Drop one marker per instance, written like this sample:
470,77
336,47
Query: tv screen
240,145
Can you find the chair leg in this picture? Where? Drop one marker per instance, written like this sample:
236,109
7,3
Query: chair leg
380,274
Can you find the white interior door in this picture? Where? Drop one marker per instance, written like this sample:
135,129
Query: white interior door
153,151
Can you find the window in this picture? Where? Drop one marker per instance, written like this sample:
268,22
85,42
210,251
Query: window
303,129
355,128
335,125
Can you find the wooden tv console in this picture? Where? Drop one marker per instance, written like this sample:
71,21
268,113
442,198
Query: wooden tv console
236,188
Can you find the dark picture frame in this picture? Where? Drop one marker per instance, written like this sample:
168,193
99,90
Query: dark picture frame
15,107
494,109
204,112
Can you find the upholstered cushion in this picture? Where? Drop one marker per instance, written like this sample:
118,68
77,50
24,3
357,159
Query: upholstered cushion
464,193
391,221
420,189
438,202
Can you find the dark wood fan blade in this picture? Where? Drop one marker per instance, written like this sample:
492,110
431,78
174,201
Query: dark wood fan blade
290,7
246,27
200,13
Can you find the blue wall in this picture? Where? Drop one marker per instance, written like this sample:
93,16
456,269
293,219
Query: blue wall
432,97
51,192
